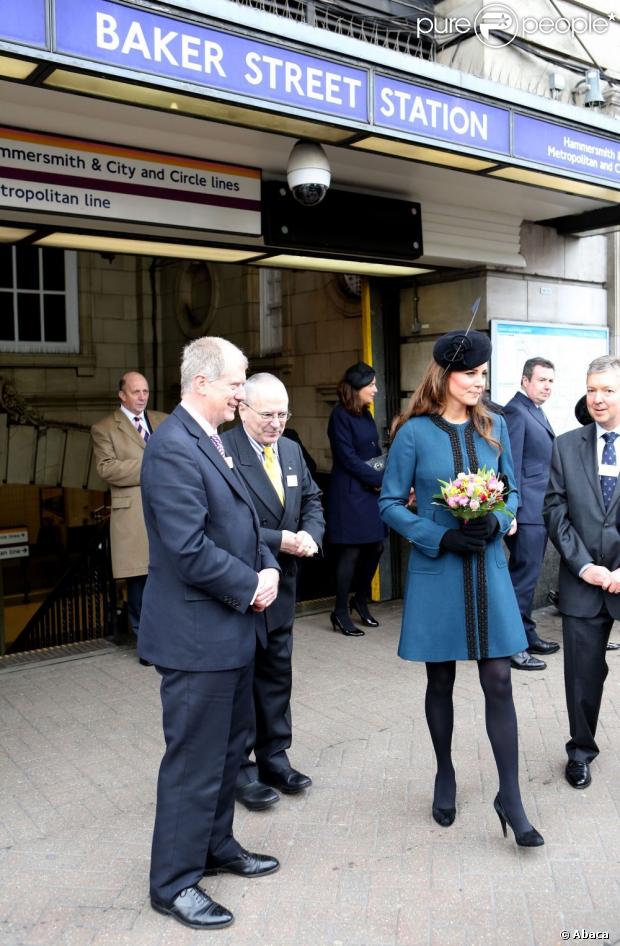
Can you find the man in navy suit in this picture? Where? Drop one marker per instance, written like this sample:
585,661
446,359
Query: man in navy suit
531,441
210,579
288,504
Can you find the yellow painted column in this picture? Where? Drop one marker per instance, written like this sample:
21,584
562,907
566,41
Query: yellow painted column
375,588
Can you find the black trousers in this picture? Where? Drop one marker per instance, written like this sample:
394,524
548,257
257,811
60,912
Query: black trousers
271,731
135,590
205,719
585,670
527,552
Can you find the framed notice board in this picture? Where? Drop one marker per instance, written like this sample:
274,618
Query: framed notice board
571,348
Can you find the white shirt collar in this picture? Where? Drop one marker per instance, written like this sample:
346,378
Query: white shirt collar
200,420
131,414
601,430
259,447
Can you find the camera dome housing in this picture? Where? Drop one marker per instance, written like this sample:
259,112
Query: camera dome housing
308,173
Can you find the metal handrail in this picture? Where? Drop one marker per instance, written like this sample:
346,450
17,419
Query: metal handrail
82,605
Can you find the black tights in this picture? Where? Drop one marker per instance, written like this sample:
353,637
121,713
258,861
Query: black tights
501,724
355,567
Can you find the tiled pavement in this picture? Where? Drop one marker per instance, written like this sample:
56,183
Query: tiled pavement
363,863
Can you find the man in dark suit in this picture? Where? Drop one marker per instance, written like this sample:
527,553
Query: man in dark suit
581,511
210,579
288,504
531,441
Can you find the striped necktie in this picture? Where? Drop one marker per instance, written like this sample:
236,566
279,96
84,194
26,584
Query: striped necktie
216,440
273,472
141,430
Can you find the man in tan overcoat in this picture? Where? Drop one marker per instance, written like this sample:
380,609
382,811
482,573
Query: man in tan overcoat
119,441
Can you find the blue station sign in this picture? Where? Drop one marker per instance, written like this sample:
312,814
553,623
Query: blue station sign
418,110
566,148
146,42
24,21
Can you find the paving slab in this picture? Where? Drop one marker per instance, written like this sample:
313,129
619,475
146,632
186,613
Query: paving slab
363,863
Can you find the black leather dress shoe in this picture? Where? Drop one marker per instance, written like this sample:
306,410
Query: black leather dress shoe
245,865
543,647
256,796
525,661
193,907
613,646
577,774
145,663
290,781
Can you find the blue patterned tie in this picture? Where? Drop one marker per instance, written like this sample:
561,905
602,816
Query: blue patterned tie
608,483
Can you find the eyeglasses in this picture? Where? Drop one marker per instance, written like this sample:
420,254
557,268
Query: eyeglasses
281,416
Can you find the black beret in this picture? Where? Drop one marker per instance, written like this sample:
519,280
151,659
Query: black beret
462,351
359,375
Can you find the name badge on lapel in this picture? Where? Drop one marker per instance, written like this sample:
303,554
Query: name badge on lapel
291,480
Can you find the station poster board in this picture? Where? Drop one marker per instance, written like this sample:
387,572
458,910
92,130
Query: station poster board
571,348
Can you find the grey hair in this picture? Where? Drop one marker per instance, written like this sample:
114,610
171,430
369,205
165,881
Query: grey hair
604,363
208,356
256,381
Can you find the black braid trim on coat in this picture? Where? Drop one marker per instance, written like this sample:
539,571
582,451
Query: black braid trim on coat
481,597
468,564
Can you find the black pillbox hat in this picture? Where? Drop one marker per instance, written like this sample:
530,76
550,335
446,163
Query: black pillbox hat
462,351
359,375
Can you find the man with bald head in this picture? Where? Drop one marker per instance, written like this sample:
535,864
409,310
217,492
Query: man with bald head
288,504
119,441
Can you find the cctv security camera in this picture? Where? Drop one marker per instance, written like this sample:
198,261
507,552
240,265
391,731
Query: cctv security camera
308,173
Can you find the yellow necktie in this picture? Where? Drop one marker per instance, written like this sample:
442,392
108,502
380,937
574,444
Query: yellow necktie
272,471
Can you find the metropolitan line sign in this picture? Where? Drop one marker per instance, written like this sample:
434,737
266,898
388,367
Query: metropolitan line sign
41,172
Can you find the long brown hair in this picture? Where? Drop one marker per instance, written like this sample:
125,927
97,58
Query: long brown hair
349,398
430,398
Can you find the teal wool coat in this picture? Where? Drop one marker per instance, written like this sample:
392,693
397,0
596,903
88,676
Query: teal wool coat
456,607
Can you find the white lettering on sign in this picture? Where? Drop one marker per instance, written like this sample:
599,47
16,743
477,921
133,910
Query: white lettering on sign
13,536
14,551
89,178
432,114
188,51
308,82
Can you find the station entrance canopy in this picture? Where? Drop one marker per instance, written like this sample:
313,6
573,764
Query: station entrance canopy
197,65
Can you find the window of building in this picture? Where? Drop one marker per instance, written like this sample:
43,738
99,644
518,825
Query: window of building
270,311
38,300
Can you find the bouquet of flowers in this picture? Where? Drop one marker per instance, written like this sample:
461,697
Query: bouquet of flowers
473,495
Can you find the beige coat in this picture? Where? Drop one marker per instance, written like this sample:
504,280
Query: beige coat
118,450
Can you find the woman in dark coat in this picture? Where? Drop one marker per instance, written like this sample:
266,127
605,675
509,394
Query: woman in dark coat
354,526
459,601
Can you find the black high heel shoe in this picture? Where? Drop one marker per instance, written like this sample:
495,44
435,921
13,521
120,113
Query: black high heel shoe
530,838
444,816
345,626
366,617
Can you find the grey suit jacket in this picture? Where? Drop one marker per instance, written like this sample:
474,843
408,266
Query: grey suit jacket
579,526
302,510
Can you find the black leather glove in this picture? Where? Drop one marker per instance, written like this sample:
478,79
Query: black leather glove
483,528
454,540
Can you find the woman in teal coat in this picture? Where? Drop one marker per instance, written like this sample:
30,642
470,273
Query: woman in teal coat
459,601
